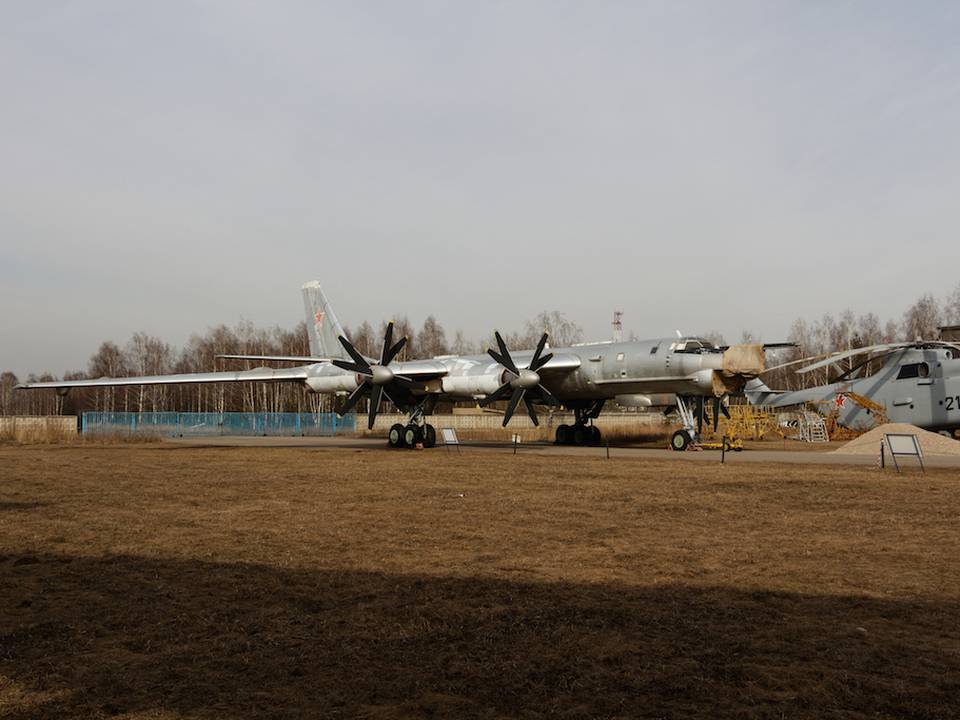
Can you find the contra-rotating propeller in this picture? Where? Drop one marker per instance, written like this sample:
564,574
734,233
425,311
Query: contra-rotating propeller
521,384
377,377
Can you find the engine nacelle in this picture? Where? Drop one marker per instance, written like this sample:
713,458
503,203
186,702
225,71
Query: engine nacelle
472,385
647,400
329,383
635,400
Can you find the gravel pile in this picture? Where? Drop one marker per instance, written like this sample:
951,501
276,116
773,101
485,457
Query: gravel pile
930,443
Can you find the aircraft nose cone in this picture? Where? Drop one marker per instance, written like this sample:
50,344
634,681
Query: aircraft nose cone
382,375
527,379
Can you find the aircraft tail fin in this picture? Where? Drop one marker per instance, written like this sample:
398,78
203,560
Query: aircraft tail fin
758,393
322,324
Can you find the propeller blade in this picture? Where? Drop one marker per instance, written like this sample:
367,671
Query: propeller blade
499,358
387,342
394,351
375,394
542,361
352,367
725,411
512,405
547,397
509,365
406,382
530,411
536,353
352,352
716,413
354,397
538,393
498,394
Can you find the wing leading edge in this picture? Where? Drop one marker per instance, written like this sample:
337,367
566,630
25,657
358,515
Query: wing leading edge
263,374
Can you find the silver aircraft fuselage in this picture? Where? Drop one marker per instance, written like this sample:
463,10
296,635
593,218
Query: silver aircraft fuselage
589,371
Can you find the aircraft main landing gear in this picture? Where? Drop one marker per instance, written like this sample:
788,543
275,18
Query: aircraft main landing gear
581,433
417,431
409,436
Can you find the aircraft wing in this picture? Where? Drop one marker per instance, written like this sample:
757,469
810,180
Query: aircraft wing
263,374
276,358
564,362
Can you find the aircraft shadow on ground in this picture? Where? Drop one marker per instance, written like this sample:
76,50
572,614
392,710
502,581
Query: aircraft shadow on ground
84,637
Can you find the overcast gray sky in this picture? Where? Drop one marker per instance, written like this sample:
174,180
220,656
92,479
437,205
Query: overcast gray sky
169,166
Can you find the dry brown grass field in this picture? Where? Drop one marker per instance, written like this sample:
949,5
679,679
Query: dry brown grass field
169,581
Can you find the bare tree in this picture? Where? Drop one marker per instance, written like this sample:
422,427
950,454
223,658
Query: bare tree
922,319
364,339
462,346
951,307
8,381
563,332
148,355
432,340
109,361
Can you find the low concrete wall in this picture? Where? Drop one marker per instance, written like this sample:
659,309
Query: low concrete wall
490,426
38,429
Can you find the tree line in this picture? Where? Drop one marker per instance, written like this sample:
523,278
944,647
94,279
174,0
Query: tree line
144,354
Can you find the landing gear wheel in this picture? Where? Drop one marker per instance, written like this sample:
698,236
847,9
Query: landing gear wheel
581,435
429,436
680,440
594,434
412,434
395,436
564,435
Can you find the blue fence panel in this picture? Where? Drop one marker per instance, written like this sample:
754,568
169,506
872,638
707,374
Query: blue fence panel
173,424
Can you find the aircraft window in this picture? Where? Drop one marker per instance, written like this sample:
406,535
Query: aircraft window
697,347
653,350
620,357
913,370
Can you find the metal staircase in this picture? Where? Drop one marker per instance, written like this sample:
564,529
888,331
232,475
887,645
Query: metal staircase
813,428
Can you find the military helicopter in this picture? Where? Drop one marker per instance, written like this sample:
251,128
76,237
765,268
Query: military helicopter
907,382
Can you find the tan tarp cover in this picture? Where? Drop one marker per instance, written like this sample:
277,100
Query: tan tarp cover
740,363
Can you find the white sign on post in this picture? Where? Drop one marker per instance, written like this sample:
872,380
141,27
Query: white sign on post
903,445
450,437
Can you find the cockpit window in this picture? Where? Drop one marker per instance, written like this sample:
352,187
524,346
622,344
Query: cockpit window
694,345
914,370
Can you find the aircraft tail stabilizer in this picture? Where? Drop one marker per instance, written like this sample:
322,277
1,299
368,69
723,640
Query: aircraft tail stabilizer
322,324
758,393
